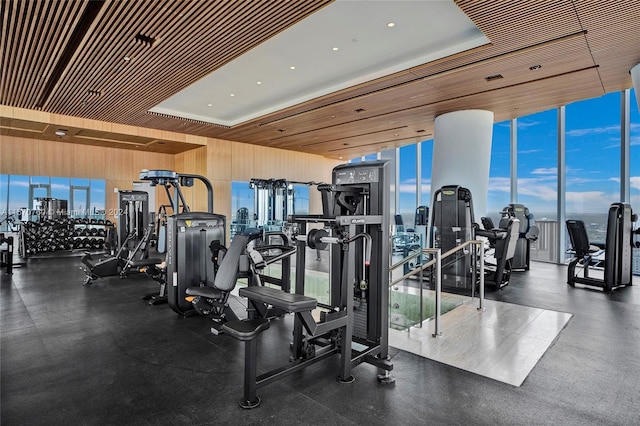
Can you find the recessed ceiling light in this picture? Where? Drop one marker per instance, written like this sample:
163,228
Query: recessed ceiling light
292,68
232,94
61,132
535,67
258,82
126,58
391,24
335,48
209,105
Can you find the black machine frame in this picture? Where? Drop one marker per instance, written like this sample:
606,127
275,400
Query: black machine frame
354,324
189,236
618,250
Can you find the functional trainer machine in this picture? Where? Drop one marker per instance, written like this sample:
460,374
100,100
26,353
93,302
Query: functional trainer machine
190,237
617,250
354,324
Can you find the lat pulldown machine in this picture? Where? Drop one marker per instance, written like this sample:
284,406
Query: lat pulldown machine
354,324
191,238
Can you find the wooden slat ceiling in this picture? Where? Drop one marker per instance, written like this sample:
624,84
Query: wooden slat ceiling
67,58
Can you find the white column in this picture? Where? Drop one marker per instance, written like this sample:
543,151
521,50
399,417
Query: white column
635,77
462,154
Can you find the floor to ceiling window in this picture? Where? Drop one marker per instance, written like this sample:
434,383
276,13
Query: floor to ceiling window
499,194
634,167
634,170
407,184
538,177
593,161
426,163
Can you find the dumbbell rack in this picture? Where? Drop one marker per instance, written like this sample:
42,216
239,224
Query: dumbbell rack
64,234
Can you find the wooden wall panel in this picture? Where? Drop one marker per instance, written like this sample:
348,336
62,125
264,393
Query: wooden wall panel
194,162
222,202
54,158
242,158
89,162
118,164
18,156
150,161
219,155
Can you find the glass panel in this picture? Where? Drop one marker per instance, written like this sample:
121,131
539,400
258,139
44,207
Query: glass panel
60,188
19,195
593,162
79,200
40,180
427,164
99,198
4,203
499,194
371,157
300,199
242,207
634,173
538,178
407,188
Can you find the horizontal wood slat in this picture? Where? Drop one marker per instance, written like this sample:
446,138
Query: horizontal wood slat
585,49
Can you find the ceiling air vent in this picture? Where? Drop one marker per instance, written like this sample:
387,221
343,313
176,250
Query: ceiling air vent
145,39
494,77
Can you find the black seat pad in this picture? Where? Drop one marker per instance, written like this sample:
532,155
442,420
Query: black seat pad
289,302
245,329
145,262
207,292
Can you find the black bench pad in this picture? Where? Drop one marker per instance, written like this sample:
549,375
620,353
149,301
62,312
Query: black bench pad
207,292
245,329
146,262
289,302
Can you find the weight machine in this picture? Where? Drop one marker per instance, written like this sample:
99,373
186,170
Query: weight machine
528,233
453,224
617,250
189,236
135,237
354,325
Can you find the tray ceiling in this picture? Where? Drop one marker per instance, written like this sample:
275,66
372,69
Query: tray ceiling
114,61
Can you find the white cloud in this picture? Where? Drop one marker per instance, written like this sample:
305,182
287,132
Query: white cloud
593,131
545,171
500,184
529,151
635,182
589,201
409,185
522,123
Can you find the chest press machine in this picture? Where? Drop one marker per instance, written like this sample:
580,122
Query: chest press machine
354,324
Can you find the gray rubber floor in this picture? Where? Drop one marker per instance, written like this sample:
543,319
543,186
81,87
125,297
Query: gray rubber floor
99,355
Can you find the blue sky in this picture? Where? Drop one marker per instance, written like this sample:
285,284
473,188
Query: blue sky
592,160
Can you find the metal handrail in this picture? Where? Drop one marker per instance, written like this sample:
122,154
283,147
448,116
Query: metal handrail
477,245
